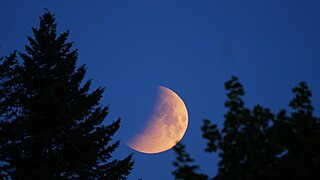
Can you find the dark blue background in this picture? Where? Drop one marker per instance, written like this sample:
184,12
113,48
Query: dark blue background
190,46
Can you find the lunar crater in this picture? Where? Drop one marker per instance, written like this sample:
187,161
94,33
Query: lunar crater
165,128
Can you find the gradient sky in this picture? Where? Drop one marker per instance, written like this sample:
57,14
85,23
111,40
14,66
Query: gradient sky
190,46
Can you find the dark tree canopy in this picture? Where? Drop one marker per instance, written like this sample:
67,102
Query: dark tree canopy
52,124
184,169
256,144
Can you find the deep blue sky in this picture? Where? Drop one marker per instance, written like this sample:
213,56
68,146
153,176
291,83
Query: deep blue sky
190,46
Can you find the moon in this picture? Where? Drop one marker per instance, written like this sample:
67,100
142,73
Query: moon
165,127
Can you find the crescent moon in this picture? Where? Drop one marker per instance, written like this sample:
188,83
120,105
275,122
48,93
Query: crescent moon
165,128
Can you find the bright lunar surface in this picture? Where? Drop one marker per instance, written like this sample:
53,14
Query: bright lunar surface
165,127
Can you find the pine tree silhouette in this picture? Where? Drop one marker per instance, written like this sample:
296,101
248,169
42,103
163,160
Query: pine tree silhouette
56,127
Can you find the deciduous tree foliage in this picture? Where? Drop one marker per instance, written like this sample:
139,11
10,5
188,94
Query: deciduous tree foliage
256,144
52,124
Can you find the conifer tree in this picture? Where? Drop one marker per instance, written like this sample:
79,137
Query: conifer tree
7,74
186,170
58,130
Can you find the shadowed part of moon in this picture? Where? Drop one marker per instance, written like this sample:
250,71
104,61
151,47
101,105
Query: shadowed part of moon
166,126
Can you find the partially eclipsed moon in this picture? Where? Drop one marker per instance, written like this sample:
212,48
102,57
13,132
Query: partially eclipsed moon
166,126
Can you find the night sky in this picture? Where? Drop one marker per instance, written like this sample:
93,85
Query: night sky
190,46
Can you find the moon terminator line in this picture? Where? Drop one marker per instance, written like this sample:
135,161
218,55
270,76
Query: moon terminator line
166,126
